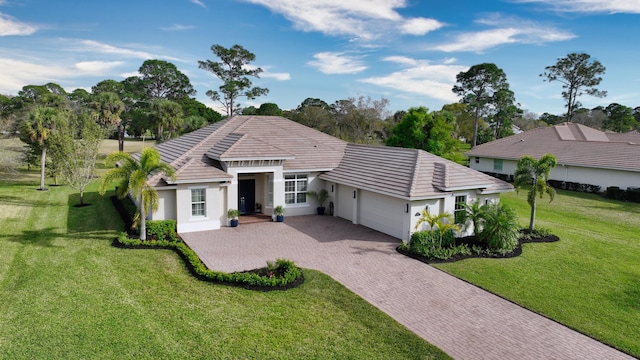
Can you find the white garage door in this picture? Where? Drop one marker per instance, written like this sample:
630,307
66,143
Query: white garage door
344,207
382,213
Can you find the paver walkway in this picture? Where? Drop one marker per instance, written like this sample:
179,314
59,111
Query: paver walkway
461,319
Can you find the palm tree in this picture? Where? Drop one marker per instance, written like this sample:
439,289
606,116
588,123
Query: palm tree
109,108
36,129
500,228
167,115
536,174
475,213
443,222
133,175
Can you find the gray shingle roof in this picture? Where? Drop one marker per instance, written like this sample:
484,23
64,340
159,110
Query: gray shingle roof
197,156
572,144
407,173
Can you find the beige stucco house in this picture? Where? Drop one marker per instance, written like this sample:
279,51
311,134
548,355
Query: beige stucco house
253,163
585,155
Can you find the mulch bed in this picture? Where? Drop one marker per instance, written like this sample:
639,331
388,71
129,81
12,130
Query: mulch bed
471,241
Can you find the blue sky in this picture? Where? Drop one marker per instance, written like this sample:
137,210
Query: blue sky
408,51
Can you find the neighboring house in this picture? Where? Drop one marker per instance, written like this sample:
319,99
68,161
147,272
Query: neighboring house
585,155
249,160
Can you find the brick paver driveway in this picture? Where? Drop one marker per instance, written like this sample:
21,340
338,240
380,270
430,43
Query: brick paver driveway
461,319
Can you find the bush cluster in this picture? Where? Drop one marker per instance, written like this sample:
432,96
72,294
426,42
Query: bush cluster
426,243
574,186
500,230
498,234
631,194
556,184
281,274
162,230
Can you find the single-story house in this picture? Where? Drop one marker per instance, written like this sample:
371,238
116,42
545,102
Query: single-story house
584,155
254,163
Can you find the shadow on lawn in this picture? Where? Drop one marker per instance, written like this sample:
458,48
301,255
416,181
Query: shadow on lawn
21,201
628,297
39,238
45,237
96,217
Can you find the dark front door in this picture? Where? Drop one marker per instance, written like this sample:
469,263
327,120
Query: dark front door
247,196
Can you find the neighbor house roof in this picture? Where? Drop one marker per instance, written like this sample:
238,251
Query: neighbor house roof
407,173
572,144
198,156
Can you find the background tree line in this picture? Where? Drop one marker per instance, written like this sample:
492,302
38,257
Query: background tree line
159,102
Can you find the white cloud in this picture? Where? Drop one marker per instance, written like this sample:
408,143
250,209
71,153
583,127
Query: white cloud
98,47
129,74
268,74
277,76
10,26
178,27
361,19
606,6
94,46
199,3
14,73
506,31
421,77
97,67
337,63
420,26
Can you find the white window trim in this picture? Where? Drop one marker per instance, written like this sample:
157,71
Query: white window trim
198,217
296,191
270,190
455,210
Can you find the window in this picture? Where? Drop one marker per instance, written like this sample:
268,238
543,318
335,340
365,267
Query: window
198,202
497,164
295,189
460,211
477,160
270,190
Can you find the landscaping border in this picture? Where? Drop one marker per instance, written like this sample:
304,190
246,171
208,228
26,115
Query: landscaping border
470,240
250,280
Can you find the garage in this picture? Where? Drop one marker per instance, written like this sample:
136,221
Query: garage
382,213
344,206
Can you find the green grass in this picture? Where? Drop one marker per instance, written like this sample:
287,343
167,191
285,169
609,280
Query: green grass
11,149
66,293
589,280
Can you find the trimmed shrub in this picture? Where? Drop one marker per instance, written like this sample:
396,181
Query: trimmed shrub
427,243
611,192
282,274
614,192
633,194
162,230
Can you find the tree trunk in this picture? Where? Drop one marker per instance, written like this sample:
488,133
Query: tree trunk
120,137
532,221
81,198
43,159
475,128
159,133
143,219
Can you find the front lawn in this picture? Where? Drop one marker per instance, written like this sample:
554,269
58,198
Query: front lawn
589,280
66,293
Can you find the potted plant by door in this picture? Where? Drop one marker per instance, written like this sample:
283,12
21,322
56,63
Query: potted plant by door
278,211
233,215
320,196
